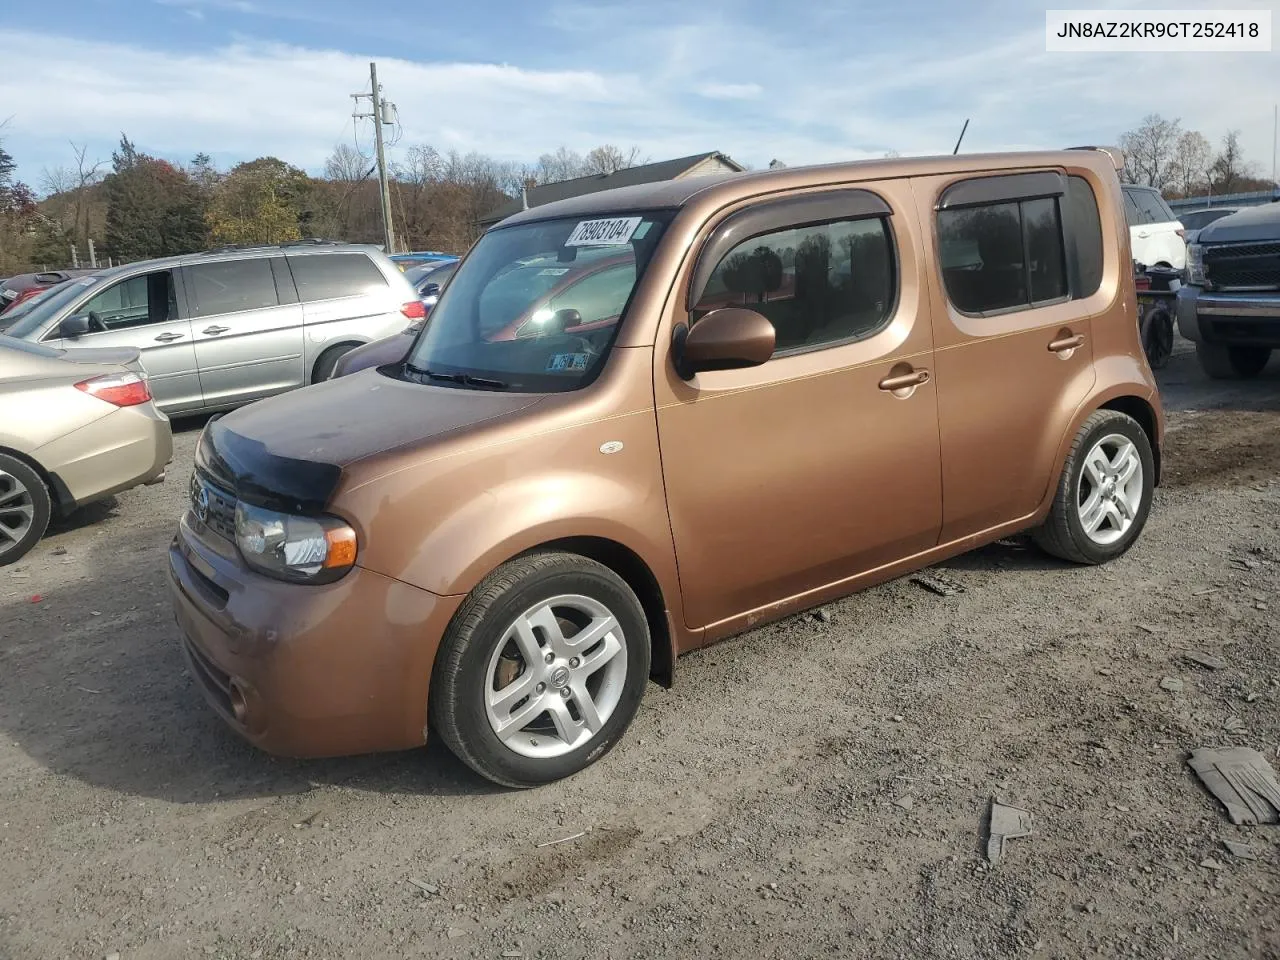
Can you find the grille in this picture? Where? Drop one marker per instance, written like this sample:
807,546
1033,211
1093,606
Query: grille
1239,265
213,508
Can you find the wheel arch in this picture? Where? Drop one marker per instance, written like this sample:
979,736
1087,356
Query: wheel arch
349,343
1145,414
631,567
63,501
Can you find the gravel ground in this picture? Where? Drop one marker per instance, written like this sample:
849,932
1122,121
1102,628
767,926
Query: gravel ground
814,787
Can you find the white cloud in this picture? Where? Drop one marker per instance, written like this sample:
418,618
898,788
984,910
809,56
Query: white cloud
706,83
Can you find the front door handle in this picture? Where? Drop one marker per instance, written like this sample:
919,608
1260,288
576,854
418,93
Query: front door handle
214,331
905,381
1063,344
166,337
1144,234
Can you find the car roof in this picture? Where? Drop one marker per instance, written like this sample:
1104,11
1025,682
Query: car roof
302,248
725,188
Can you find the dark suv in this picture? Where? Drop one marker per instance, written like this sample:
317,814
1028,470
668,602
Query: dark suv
1230,304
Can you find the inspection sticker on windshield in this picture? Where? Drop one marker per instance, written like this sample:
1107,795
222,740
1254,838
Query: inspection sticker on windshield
613,232
567,362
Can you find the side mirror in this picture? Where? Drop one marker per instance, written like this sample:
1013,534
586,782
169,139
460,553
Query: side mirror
72,328
726,339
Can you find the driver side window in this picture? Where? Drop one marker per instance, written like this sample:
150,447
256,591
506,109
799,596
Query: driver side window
136,302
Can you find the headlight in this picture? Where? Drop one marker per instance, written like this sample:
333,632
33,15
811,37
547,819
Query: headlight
1195,264
290,547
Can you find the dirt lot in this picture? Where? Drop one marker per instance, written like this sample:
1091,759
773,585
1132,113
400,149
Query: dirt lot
811,788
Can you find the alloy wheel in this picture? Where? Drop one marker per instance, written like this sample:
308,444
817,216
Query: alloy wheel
1111,489
17,512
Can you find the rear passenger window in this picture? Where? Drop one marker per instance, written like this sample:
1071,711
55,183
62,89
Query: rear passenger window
1084,227
229,286
329,276
817,285
1003,256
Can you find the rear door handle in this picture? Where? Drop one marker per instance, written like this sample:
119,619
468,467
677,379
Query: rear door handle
901,382
1144,234
214,331
166,337
1066,343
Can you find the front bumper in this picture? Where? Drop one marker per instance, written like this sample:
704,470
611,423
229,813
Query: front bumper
1231,318
306,671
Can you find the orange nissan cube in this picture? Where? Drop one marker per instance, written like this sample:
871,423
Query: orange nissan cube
646,419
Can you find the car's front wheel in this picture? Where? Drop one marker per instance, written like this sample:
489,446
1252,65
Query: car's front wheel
1104,493
542,669
25,508
1232,363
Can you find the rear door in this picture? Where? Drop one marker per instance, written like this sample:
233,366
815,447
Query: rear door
247,330
145,311
1154,228
347,299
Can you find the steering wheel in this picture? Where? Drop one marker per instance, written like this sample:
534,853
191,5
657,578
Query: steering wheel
96,324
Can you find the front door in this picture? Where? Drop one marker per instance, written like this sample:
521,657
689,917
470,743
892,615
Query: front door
1015,278
142,311
248,342
822,463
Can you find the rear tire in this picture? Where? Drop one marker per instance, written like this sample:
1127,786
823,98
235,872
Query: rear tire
329,359
25,508
1104,493
513,696
1222,362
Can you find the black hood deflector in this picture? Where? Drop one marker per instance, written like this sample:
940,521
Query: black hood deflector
256,475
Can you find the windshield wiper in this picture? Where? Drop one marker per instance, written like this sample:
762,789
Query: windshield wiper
465,379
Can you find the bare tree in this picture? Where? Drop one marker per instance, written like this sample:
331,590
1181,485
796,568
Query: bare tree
1191,159
56,180
564,164
346,164
1229,166
607,158
1149,151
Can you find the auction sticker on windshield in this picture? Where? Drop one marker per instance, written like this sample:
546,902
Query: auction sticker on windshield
613,232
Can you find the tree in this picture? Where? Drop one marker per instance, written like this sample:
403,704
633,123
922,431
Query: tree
564,164
348,165
609,159
1149,151
261,201
1191,159
154,209
204,173
17,210
1229,167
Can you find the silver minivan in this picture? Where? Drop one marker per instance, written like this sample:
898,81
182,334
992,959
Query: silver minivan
221,329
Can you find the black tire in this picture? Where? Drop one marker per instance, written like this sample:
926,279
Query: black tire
1157,336
1063,534
14,473
460,677
329,359
1222,362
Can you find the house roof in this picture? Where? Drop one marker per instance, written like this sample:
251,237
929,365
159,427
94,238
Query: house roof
631,176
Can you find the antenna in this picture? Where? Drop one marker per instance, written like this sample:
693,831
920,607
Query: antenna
962,130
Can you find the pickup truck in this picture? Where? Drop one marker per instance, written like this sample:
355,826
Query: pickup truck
1230,303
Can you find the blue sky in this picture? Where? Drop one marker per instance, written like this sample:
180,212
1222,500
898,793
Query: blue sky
804,82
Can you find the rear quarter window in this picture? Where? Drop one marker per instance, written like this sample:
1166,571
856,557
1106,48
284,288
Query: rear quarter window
1084,230
335,275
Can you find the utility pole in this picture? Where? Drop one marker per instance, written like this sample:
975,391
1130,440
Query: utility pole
93,255
378,111
75,257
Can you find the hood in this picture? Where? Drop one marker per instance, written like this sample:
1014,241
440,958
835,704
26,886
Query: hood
288,452
1252,223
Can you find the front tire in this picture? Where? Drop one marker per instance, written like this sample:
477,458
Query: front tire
541,670
1104,493
1232,363
25,508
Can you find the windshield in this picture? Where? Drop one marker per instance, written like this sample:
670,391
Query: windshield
45,308
536,307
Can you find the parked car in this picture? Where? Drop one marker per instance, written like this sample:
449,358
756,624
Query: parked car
1230,304
1193,221
19,310
1155,233
501,539
75,426
221,329
23,287
389,349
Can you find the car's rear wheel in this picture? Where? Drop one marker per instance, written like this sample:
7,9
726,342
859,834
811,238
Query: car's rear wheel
1104,493
1232,363
541,670
25,507
329,359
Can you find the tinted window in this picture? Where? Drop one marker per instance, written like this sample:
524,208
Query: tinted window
1084,227
1002,255
228,286
817,285
329,276
135,302
1153,207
